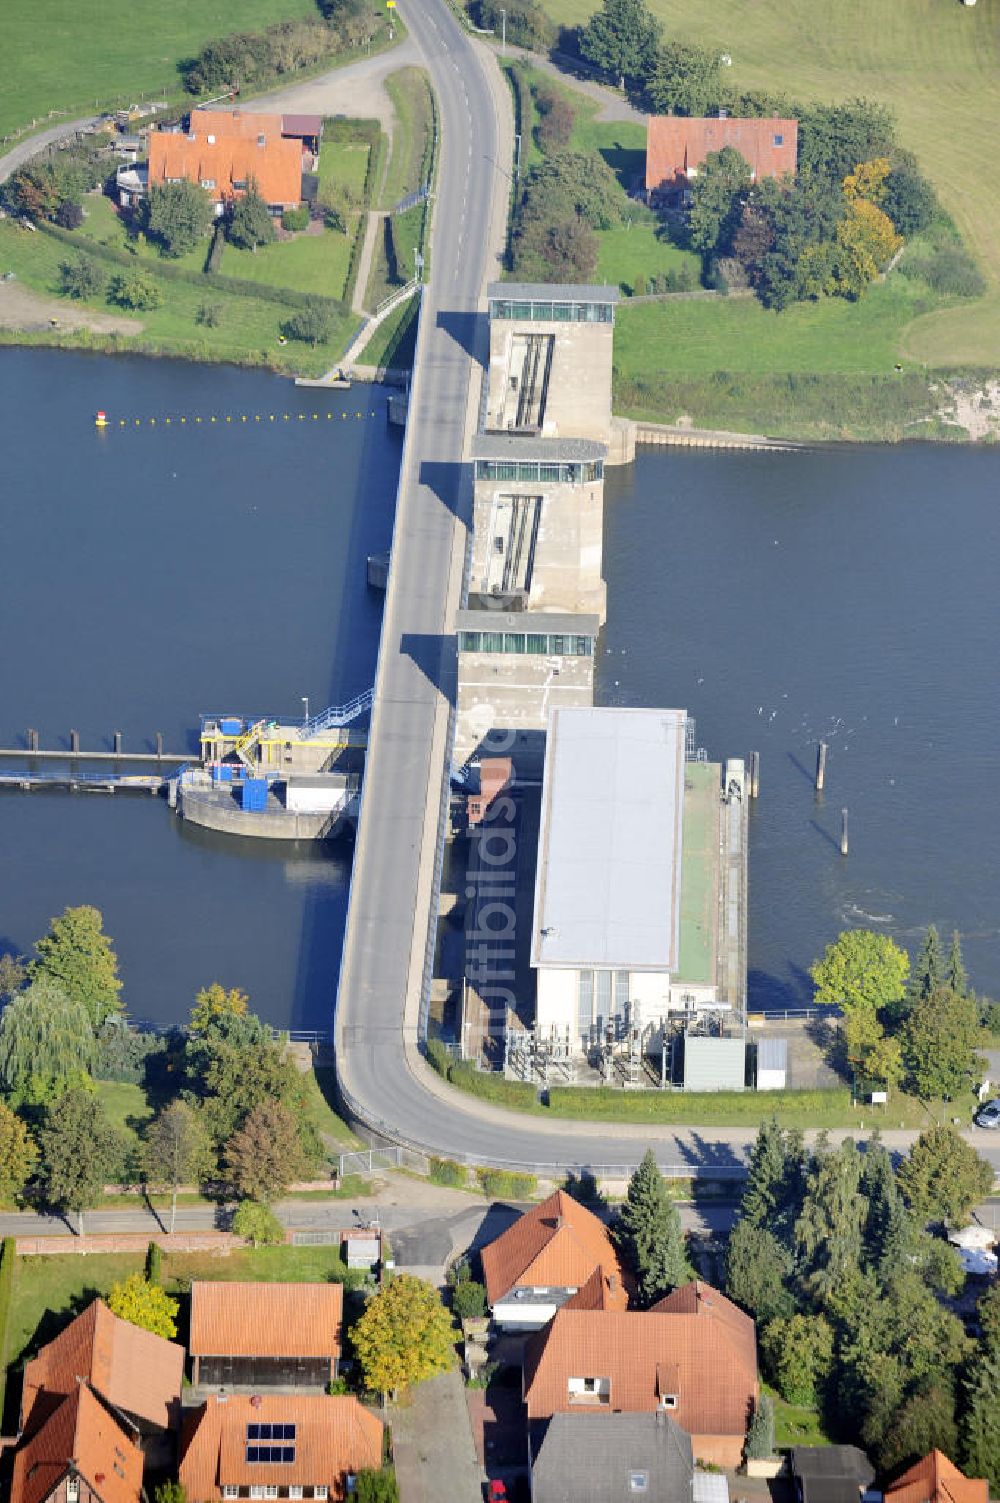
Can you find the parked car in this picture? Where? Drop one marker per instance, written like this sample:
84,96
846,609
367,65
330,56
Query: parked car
496,1491
988,1115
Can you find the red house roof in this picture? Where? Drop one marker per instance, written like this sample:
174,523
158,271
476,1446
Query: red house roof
228,149
82,1430
935,1479
133,1369
330,1437
265,1320
557,1244
677,145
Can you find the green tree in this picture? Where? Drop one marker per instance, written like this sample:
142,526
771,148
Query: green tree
956,977
376,1486
179,215
860,972
981,1418
135,290
18,1154
927,972
717,199
775,1179
757,1267
833,138
257,1224
313,324
79,957
798,1356
144,1304
924,1422
264,1155
910,201
177,1151
886,1234
81,1152
760,1434
828,1233
468,1300
82,278
169,1492
943,1177
404,1335
883,1062
685,80
988,1315
250,223
214,1003
34,191
649,1232
621,38
234,1063
13,974
46,1043
939,1043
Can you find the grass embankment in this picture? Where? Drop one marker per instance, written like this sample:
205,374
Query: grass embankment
936,65
409,167
63,56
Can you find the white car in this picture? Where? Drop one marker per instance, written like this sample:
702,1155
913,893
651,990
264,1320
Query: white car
989,1114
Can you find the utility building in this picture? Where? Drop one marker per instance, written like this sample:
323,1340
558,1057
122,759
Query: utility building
633,883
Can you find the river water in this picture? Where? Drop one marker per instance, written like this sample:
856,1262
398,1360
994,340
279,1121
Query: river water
155,572
848,595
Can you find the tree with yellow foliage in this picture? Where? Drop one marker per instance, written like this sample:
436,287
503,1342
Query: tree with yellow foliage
868,181
866,242
404,1336
145,1305
215,1002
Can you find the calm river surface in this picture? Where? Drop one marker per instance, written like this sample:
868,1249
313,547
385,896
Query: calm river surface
848,595
153,573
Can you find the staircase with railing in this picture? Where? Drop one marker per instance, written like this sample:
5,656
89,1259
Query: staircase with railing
246,744
337,716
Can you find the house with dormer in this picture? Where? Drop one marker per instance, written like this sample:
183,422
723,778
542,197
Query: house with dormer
692,1356
546,1258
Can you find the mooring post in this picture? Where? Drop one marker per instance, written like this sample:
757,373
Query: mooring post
74,741
843,832
820,766
32,739
159,743
118,743
754,774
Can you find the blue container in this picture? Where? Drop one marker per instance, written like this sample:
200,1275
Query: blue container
229,726
254,794
223,774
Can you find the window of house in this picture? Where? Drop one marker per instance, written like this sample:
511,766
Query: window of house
319,1492
590,1385
211,140
261,141
208,182
669,1401
270,1490
779,140
72,1489
295,1492
256,1492
230,1492
239,183
638,1482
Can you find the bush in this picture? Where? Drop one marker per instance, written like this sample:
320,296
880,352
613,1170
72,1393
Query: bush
312,325
760,1436
506,1184
447,1172
948,269
122,1052
556,118
527,23
154,1263
439,1059
257,1224
333,219
249,58
134,290
178,215
295,219
69,215
82,278
468,1300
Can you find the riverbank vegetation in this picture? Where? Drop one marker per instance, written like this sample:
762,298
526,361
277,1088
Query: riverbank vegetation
408,171
87,1102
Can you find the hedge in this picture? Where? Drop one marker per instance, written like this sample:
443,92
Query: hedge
8,1256
154,1263
448,1172
506,1184
285,296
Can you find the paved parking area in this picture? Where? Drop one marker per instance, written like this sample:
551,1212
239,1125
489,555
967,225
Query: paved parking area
432,1444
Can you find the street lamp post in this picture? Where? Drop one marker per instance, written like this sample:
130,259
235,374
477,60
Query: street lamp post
517,156
503,43
305,708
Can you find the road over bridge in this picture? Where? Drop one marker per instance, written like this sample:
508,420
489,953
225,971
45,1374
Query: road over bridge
384,1080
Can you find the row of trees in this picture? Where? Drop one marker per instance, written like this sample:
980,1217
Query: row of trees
233,1107
923,1028
832,1257
248,59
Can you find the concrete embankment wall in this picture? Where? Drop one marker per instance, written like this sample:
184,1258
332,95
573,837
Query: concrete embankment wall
261,825
707,438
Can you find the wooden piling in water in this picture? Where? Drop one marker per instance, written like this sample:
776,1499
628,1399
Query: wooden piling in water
74,741
843,832
754,774
820,766
159,743
118,743
32,739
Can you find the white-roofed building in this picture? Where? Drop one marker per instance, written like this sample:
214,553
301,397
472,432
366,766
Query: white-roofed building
626,918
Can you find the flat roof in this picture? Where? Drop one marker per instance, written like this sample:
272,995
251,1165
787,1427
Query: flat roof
548,450
553,292
699,872
607,886
558,623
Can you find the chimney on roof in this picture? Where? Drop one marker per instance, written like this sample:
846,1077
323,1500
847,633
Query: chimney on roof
613,1281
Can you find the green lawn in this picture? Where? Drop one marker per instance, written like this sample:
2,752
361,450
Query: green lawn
342,164
308,263
794,1424
935,63
125,1104
60,55
807,1109
321,1083
409,90
631,250
393,342
247,333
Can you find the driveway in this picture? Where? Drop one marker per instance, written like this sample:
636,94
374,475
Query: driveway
357,90
432,1444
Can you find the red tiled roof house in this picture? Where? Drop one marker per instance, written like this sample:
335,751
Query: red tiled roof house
540,1262
694,1355
935,1479
277,1445
79,1454
677,145
223,151
255,1335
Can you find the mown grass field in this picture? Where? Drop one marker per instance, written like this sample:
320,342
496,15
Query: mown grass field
935,62
392,261
342,164
61,55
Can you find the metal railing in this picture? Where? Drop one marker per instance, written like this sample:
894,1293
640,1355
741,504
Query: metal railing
337,716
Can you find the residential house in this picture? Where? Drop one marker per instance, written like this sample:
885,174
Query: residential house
830,1474
548,1254
598,1457
677,145
277,1446
136,1373
257,1335
693,1355
82,1452
223,151
935,1479
306,129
